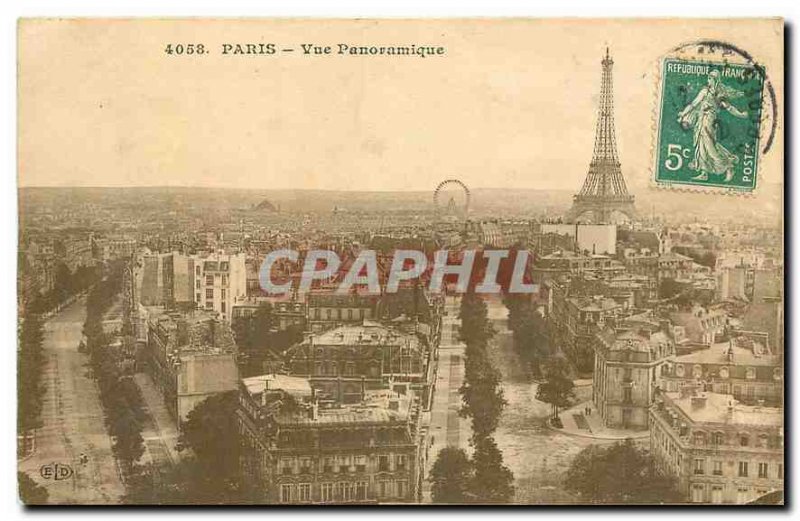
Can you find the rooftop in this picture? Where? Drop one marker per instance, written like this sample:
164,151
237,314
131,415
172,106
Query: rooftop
298,387
368,333
718,354
378,406
714,408
596,303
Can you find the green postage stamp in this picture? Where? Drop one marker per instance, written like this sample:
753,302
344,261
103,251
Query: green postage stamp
709,119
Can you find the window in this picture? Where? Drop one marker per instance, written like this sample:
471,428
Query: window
383,463
222,308
287,466
699,466
222,293
742,469
209,280
402,487
327,492
286,493
197,284
304,492
224,280
327,465
744,440
697,492
349,314
360,463
763,470
400,462
305,465
345,491
627,394
361,490
716,494
750,374
198,297
210,294
717,438
700,438
742,495
384,489
344,464
717,471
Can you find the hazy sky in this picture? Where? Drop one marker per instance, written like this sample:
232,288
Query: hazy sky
511,104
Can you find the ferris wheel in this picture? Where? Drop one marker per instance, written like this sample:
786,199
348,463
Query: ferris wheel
451,198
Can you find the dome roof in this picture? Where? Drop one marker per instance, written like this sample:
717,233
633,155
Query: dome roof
266,206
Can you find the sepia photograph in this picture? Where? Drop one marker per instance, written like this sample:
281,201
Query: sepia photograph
481,261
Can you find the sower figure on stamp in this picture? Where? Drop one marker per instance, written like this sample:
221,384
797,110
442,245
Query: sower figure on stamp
710,157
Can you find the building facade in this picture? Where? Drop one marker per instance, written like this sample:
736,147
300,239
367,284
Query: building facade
326,309
295,451
627,365
190,357
343,362
740,367
719,451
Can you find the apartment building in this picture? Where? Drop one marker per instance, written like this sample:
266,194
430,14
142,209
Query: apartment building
295,451
719,450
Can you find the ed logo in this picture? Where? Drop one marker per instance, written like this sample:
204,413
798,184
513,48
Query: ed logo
56,471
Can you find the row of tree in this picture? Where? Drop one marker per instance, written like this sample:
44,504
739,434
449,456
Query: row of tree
484,478
30,350
30,392
119,394
66,284
30,365
533,346
529,332
208,473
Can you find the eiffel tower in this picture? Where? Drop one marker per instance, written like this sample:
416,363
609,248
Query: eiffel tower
604,189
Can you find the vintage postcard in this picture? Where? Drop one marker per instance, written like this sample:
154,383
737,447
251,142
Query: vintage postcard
400,262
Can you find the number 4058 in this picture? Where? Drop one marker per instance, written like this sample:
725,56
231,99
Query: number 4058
187,48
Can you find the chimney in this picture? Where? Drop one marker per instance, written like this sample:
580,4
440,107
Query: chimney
665,327
264,393
688,389
699,401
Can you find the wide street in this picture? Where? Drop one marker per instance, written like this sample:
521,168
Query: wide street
72,422
537,455
447,427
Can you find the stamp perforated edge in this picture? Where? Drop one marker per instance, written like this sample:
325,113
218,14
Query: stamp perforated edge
655,119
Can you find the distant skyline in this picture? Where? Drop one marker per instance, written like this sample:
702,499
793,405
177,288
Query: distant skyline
101,104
